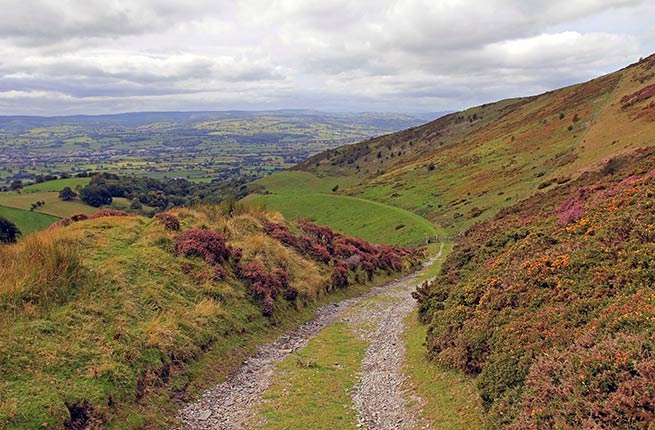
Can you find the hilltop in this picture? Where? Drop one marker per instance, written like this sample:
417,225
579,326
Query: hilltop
465,166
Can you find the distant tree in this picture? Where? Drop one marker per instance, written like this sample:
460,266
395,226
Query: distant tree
9,233
561,115
16,184
431,166
67,194
335,188
95,195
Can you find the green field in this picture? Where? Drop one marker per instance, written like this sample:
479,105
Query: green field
27,221
53,204
305,196
57,185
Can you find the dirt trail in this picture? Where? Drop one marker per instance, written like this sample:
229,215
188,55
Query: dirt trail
378,398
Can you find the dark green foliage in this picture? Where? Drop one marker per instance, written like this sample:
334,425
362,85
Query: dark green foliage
66,194
161,193
9,233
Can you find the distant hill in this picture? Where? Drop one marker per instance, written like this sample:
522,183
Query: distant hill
389,121
465,166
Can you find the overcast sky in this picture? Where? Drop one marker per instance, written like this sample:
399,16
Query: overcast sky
102,56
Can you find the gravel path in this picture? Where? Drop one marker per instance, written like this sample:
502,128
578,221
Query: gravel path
380,398
230,404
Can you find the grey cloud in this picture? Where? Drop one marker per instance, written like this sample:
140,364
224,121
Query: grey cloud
98,56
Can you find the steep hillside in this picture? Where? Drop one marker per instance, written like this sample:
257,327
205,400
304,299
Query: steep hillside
552,304
112,318
465,166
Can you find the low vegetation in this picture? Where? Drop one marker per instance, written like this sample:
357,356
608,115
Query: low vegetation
312,389
102,313
551,304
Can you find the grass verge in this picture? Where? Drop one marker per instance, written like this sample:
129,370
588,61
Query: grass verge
450,399
313,389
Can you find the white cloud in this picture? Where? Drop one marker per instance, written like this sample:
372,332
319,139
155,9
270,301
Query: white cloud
97,56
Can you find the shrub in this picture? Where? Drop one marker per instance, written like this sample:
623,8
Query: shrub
9,232
102,213
340,275
265,287
207,244
170,221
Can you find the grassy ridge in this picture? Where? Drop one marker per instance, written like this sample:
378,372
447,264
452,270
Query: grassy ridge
112,318
303,195
27,221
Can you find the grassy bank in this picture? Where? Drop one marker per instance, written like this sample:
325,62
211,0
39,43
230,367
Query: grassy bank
115,328
305,196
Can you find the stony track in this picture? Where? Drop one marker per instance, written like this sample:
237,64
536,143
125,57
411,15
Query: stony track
379,397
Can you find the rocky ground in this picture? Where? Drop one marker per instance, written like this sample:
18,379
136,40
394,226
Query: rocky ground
379,398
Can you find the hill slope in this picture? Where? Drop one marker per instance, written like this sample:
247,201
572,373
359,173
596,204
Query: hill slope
108,318
552,304
465,166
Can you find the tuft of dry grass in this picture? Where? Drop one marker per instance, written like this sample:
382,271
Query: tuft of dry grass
42,270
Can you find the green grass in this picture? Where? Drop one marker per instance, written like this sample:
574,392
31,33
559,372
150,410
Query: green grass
53,204
57,185
450,399
305,196
312,390
28,222
291,182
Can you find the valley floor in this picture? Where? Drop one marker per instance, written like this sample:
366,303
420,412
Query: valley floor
344,369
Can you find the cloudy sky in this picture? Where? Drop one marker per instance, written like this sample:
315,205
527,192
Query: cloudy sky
103,56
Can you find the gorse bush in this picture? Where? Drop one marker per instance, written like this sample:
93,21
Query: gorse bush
552,304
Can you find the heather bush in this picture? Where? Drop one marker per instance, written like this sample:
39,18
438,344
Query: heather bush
340,275
207,244
68,221
170,221
102,213
551,304
264,286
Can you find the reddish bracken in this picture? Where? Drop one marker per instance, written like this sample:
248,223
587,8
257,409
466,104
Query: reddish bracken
68,221
207,244
264,286
102,213
170,221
